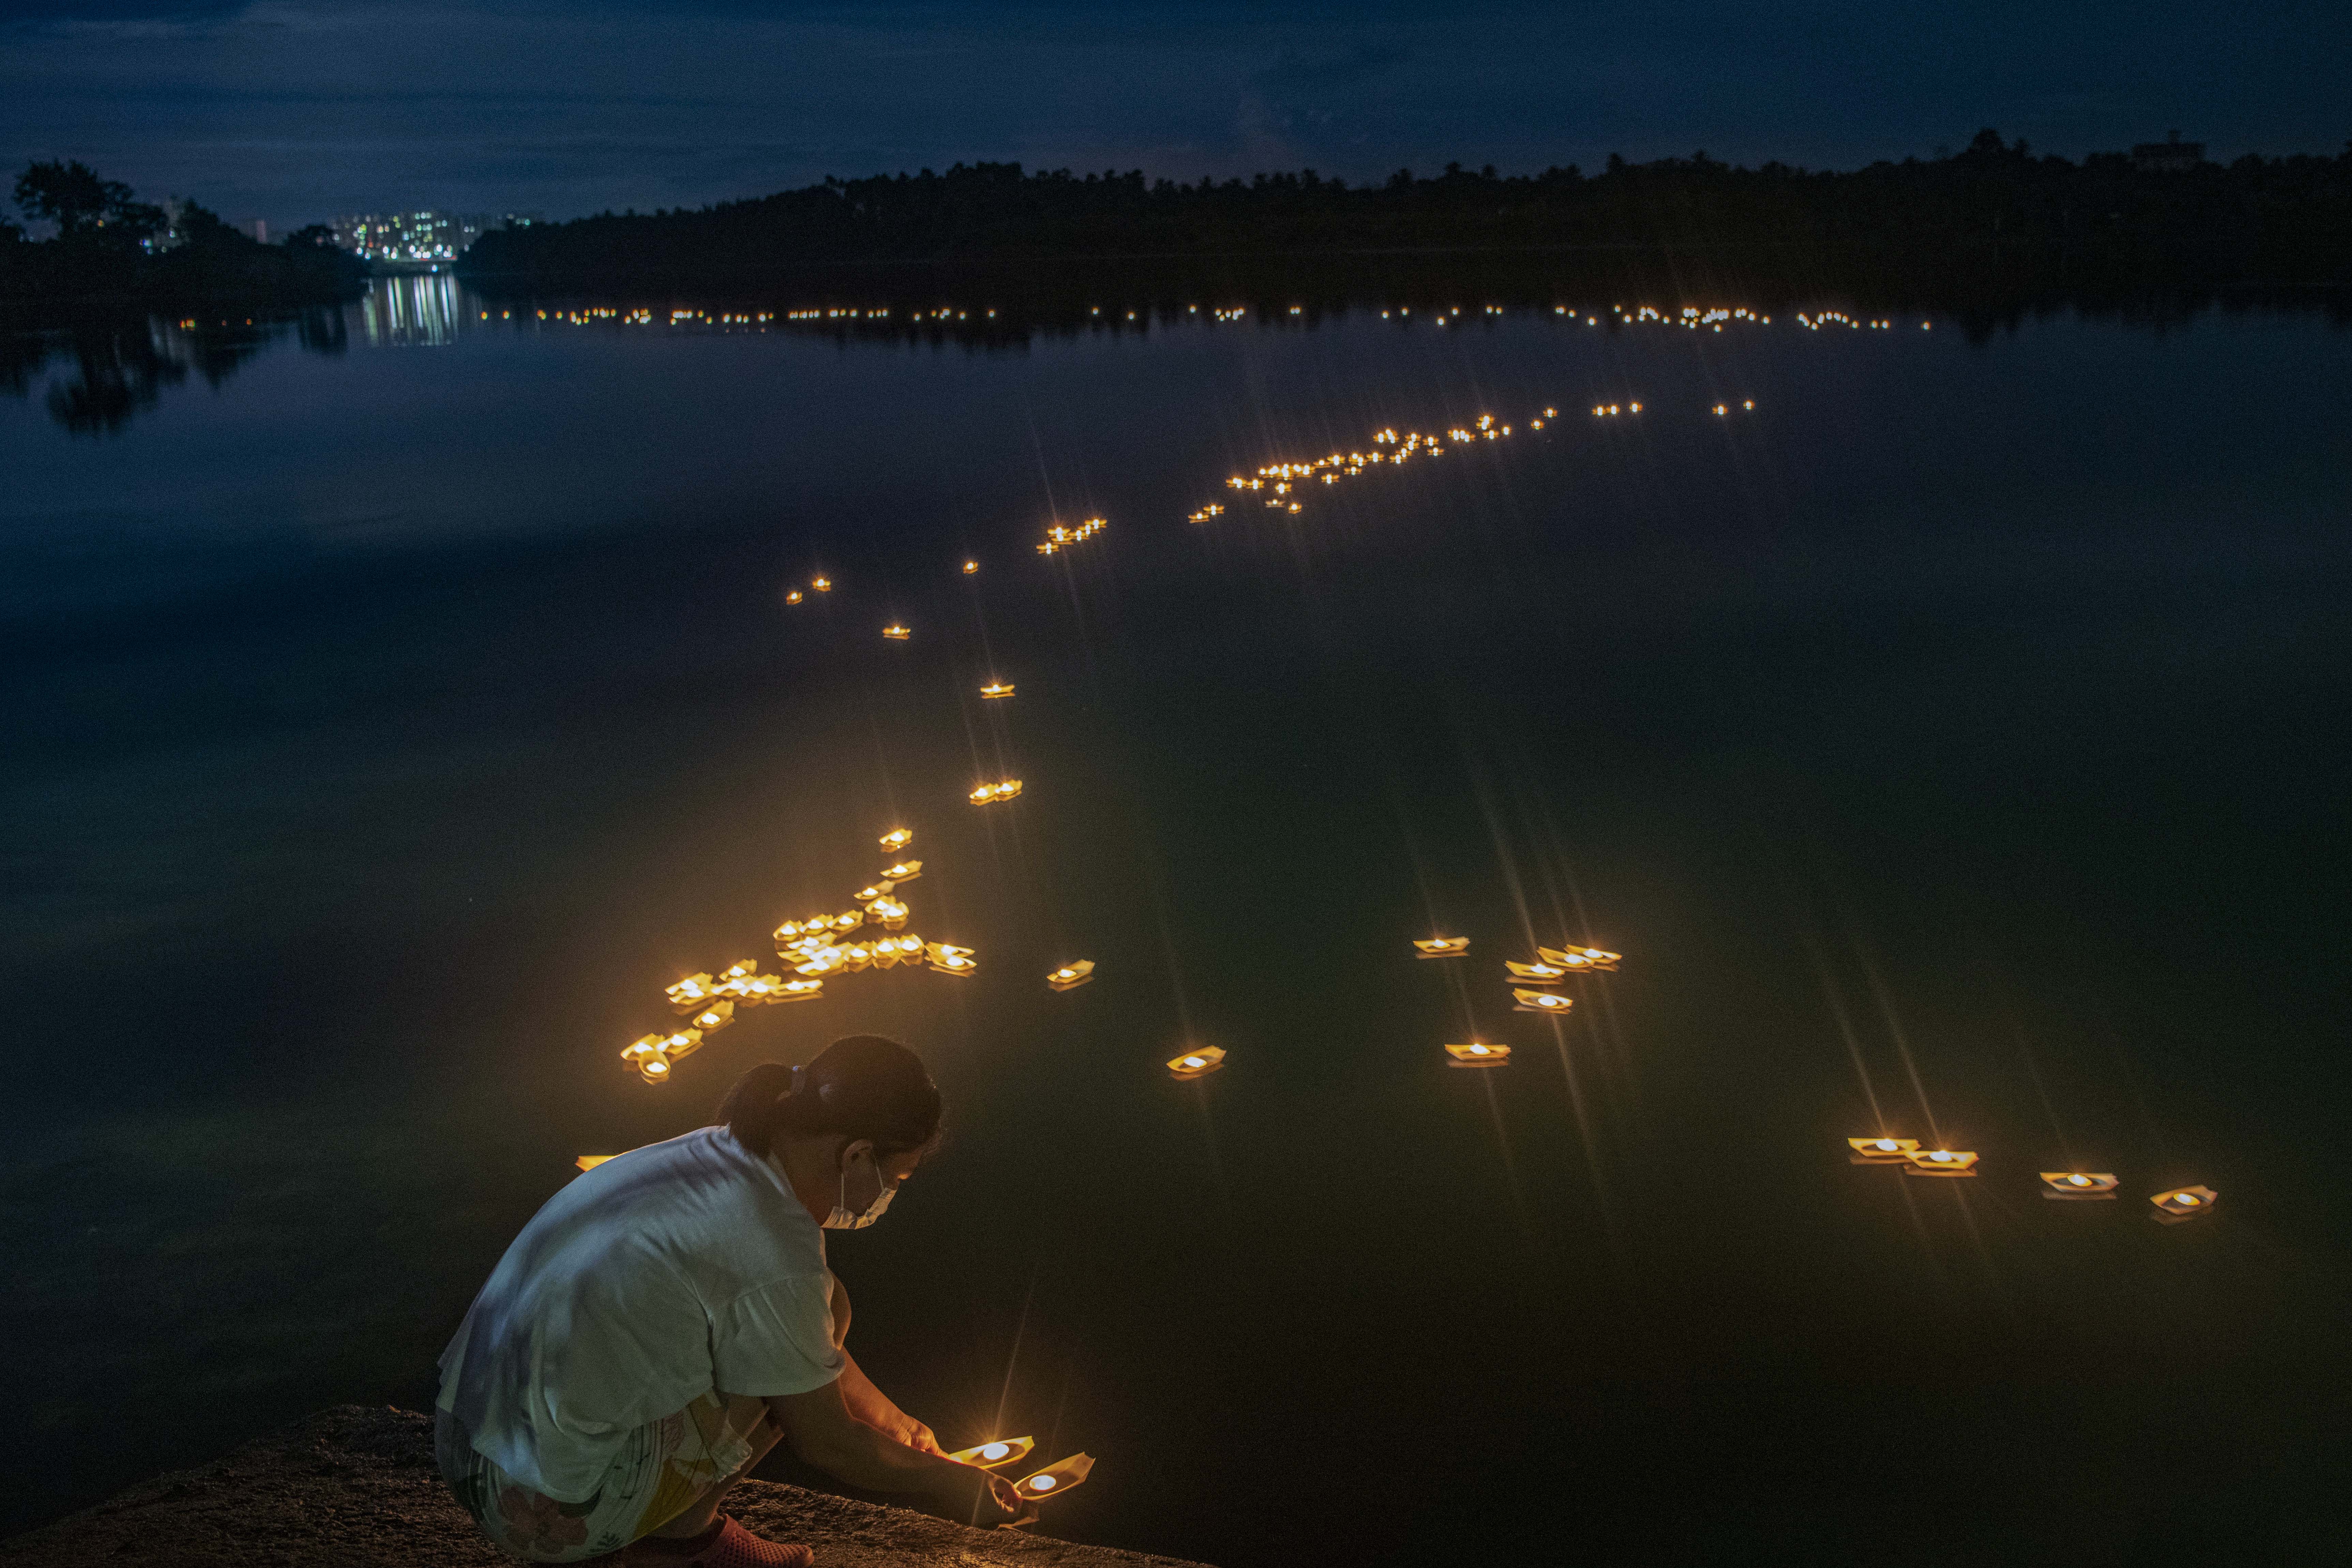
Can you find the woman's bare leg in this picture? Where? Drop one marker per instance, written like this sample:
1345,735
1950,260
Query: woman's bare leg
703,1512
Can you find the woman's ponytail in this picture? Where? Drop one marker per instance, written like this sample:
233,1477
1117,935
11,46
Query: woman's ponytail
861,1086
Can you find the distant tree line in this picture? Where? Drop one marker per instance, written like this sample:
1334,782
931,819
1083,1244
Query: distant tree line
107,246
2274,219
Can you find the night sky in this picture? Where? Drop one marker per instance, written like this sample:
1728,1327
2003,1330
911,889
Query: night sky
294,110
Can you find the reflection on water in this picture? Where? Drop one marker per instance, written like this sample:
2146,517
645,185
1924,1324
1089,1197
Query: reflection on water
1899,728
421,310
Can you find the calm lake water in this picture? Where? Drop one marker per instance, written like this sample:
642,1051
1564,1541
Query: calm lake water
1954,744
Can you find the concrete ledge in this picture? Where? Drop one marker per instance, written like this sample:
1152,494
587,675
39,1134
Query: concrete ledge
355,1487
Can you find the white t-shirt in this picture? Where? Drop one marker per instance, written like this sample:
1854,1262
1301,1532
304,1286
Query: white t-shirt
661,1275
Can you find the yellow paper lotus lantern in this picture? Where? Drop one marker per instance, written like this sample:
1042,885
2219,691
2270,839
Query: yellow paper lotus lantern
1001,1451
824,961
890,912
1441,947
1580,960
1070,976
1540,1001
1536,973
894,632
2176,1204
897,838
779,991
691,993
846,922
904,871
858,955
653,1055
969,567
794,597
1197,1063
997,689
2079,1186
822,584
1881,1150
738,969
1940,1163
715,1018
873,890
1479,1054
1054,1478
990,794
948,959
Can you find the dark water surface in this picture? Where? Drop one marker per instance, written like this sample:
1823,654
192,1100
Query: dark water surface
1964,728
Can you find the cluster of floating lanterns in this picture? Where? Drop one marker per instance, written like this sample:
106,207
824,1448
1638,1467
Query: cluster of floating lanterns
1284,484
1529,988
995,793
817,949
2172,1205
1058,538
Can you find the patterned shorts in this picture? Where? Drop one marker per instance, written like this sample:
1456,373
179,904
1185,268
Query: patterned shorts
662,1468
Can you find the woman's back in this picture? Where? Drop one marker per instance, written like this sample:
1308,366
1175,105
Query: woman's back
658,1275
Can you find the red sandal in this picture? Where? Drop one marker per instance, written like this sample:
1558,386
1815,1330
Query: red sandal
737,1546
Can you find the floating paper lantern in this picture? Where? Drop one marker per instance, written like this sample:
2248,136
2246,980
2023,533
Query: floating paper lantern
889,912
1479,1054
824,961
858,955
1072,975
787,933
969,567
947,959
738,969
1057,1477
990,794
846,922
1441,947
988,1456
774,989
904,871
1940,1163
652,1055
1882,1150
1540,1001
2078,1186
873,891
894,632
1537,973
1579,959
691,993
822,584
2181,1204
794,597
996,689
716,1017
897,838
1197,1063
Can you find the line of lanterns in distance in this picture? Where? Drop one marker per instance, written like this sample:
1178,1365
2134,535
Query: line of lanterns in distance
2173,1204
1283,481
1690,317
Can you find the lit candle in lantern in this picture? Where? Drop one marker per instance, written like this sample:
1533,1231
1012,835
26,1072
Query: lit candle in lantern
1882,1150
794,597
1536,973
969,567
904,871
873,890
988,1456
1057,1477
2078,1186
1479,1054
1540,1001
846,922
1441,947
1198,1062
996,689
2178,1203
856,956
897,838
894,632
824,961
1940,1163
1071,975
822,584
716,1017
950,960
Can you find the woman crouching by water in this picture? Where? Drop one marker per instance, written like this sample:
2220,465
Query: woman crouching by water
668,1316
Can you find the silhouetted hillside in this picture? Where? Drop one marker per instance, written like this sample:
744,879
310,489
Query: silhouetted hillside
2257,219
111,247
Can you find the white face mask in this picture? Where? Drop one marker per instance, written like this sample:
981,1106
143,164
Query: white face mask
845,1218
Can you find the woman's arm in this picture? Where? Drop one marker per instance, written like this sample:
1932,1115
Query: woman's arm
823,1430
871,1406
